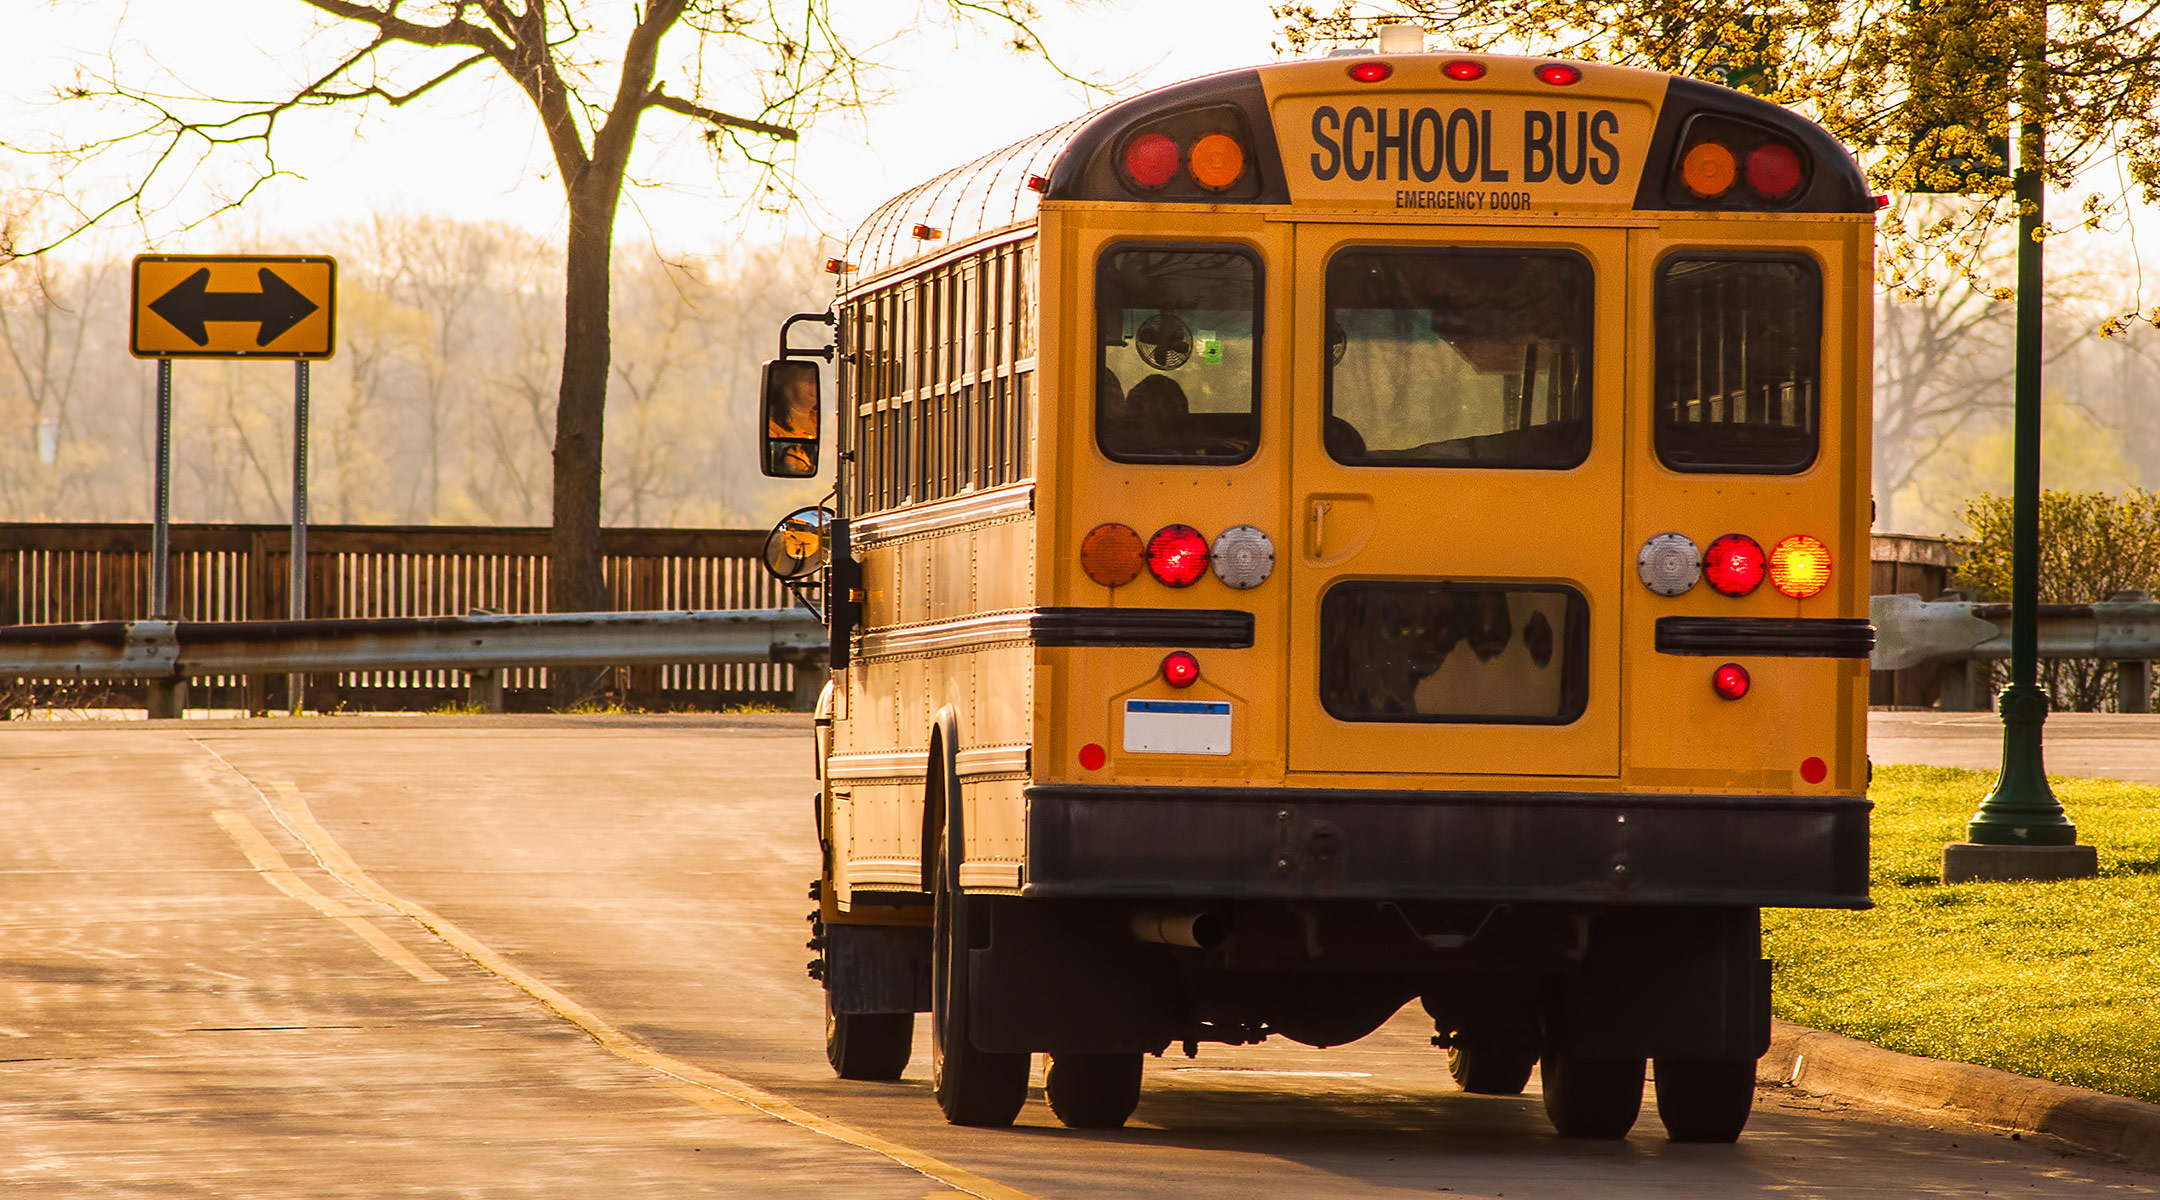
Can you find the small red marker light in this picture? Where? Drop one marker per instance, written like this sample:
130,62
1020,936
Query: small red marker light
1179,669
1734,564
1151,160
1814,770
1730,681
1038,183
1559,74
1371,72
1882,202
1462,70
1092,757
839,266
928,233
1177,555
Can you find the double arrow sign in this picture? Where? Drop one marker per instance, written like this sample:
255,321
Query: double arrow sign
233,306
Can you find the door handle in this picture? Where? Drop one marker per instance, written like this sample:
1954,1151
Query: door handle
1316,527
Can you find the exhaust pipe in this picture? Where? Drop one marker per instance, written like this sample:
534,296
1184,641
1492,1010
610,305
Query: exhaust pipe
1200,931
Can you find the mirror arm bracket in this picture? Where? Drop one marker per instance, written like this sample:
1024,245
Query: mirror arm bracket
825,318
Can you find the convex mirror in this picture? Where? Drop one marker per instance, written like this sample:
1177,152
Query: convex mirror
798,546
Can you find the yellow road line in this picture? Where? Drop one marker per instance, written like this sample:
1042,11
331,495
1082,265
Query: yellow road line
272,866
706,1088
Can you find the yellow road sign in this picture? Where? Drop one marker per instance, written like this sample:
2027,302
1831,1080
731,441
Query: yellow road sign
233,306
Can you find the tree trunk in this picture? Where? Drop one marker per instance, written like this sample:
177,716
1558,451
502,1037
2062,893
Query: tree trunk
574,579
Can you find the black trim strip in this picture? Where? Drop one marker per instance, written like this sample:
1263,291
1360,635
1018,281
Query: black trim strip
1188,628
1207,843
1766,637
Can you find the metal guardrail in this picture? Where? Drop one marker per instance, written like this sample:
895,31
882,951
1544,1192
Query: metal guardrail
181,649
1957,635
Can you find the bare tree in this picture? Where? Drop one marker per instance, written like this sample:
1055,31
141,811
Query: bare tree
590,80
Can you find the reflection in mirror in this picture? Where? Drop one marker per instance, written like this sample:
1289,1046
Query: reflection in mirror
798,546
791,418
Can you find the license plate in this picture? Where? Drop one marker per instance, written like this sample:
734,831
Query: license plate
1177,727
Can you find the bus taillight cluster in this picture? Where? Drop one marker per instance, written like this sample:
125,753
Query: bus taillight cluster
1179,556
1722,153
1215,161
1735,565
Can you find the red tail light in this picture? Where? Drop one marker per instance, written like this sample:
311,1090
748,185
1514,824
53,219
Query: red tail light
1151,160
1773,170
1177,555
1734,564
1730,681
1180,669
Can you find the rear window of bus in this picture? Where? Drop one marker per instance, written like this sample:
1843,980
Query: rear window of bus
1179,334
1739,363
1459,358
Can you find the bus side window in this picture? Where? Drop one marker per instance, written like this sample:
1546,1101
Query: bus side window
1739,363
1178,329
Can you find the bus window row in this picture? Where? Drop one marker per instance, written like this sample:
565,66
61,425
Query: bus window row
1459,357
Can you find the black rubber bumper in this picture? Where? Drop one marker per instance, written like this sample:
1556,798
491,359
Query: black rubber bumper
1567,847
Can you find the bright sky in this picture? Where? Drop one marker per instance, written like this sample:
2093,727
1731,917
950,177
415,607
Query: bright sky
474,149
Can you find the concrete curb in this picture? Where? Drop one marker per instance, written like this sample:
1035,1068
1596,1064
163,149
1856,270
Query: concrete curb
1827,1063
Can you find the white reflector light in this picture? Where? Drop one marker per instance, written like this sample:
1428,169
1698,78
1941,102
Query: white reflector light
1669,564
1243,557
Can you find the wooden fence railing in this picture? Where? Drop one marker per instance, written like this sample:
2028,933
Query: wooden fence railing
101,572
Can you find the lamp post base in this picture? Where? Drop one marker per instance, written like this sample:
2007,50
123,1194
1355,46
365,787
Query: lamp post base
1969,862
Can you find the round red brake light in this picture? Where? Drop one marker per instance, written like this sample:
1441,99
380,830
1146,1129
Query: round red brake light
1177,555
1179,669
1730,681
1151,160
1371,72
1734,564
1773,170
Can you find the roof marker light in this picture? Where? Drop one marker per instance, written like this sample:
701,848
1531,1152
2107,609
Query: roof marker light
928,233
1371,72
1243,557
1558,74
1734,564
839,266
1463,70
1038,183
1669,564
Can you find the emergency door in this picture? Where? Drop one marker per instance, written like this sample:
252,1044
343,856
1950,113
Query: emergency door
1455,556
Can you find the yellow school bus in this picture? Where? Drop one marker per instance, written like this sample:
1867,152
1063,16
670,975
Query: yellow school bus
1349,532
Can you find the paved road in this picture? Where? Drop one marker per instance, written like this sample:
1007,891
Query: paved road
562,957
2108,745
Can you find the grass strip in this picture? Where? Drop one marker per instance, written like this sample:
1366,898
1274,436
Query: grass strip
2055,980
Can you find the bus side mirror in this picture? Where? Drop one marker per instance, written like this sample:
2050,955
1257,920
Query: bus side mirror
790,390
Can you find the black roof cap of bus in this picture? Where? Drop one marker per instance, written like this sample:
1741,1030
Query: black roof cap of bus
1088,169
1835,183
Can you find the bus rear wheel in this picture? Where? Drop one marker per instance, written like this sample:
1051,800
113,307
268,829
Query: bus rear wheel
1705,1100
1592,1097
1093,1091
872,1046
1492,1068
973,1086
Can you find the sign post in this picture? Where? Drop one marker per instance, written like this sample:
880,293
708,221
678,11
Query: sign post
229,306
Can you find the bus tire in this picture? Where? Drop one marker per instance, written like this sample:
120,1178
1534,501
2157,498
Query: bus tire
1592,1097
1093,1091
1705,1100
1492,1068
973,1086
870,1046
